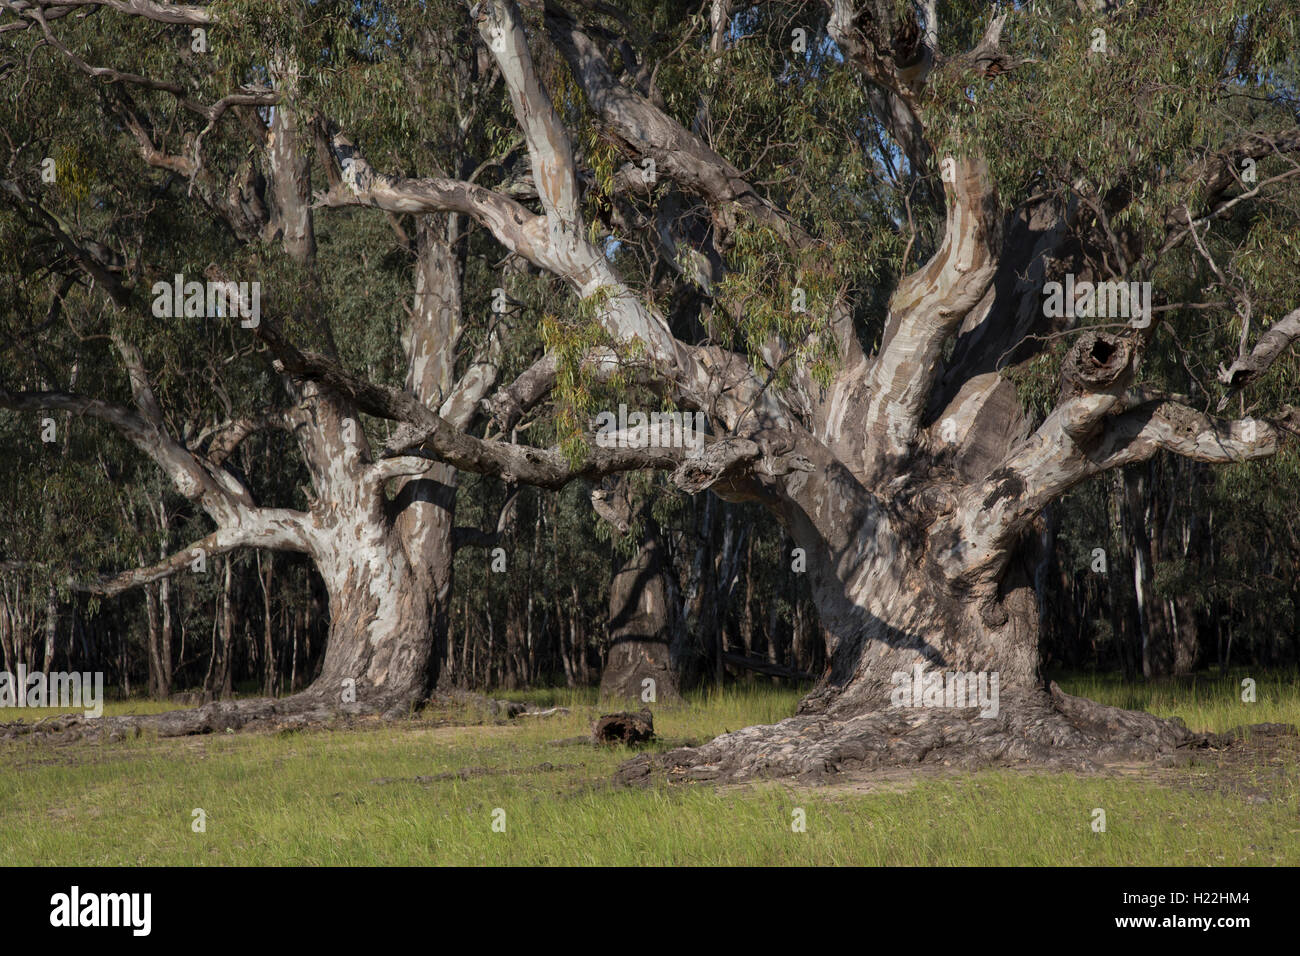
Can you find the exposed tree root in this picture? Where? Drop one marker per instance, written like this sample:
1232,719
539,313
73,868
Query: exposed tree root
300,710
1050,729
310,708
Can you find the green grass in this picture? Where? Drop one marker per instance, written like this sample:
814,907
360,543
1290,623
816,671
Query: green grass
375,796
112,708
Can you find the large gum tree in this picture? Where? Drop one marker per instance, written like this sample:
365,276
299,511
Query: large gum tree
907,420
381,533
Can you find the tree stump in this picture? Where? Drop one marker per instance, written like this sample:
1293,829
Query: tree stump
624,728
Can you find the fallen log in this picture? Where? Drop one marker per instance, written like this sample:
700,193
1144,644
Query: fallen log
548,712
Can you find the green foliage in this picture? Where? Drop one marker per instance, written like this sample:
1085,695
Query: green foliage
576,389
780,296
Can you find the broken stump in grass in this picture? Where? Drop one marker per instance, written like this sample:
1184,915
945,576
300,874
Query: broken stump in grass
624,728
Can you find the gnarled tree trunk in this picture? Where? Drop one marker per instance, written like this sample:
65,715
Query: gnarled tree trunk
909,477
383,617
641,663
912,479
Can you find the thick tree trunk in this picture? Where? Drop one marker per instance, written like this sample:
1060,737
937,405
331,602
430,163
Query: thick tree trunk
653,655
923,584
387,563
640,663
384,614
886,621
891,614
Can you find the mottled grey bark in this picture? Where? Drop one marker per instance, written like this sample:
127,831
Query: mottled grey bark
642,662
910,481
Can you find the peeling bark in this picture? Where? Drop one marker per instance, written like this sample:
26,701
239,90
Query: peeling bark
1044,729
911,483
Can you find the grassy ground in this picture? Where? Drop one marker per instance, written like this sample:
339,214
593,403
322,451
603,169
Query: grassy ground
426,792
1204,701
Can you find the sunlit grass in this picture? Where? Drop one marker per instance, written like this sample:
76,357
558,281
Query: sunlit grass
112,708
416,793
1205,701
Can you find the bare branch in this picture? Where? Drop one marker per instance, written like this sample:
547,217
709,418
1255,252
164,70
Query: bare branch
1086,435
246,97
468,537
1250,365
220,494
228,436
511,223
862,39
651,132
95,260
279,530
509,404
927,308
1138,434
549,150
424,429
188,13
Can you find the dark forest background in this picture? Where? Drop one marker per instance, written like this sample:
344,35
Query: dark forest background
1199,572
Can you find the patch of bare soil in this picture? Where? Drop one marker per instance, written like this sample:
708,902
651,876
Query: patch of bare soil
1258,765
